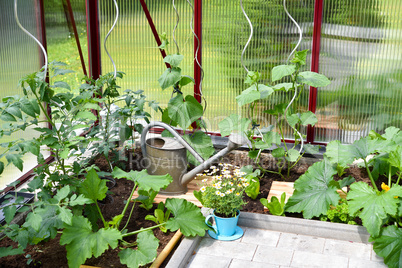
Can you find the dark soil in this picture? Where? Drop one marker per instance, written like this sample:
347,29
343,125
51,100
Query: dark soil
51,254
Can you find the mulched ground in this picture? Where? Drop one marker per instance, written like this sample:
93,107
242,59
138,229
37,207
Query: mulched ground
51,254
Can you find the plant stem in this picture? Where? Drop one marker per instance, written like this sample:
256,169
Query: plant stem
126,206
143,230
370,176
399,177
129,216
100,213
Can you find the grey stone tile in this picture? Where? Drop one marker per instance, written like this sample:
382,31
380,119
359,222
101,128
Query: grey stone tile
272,255
250,264
202,261
261,237
309,260
301,242
347,249
359,263
209,246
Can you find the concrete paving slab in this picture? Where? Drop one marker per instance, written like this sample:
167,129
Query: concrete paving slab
273,255
310,260
359,263
347,249
209,246
260,237
250,264
202,261
301,242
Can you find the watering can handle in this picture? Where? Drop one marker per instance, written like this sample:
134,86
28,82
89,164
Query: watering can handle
174,133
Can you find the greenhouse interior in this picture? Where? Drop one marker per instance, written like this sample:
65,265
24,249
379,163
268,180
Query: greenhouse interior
228,133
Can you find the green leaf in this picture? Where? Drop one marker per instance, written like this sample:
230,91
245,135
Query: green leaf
293,119
16,160
185,80
81,243
278,72
61,72
14,110
372,207
233,122
79,200
346,182
170,77
389,246
66,215
10,251
283,86
174,60
145,181
184,112
345,154
311,149
7,117
1,167
202,143
292,155
313,193
27,108
85,115
61,84
308,118
62,193
278,152
300,57
254,186
252,94
9,213
395,158
275,207
93,187
272,137
187,217
313,79
147,245
34,220
35,106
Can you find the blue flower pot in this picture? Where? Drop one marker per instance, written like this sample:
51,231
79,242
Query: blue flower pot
225,228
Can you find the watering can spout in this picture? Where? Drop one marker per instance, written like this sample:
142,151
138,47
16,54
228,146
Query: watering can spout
235,141
168,155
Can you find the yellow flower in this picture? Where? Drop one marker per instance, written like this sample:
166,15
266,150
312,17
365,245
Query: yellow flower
237,194
222,194
385,187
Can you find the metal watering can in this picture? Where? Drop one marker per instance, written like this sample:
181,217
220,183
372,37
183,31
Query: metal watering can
165,155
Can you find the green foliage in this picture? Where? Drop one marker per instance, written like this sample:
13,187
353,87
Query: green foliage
183,110
389,246
314,191
147,244
160,216
275,207
287,156
339,213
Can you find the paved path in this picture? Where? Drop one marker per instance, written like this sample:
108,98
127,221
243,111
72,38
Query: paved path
269,249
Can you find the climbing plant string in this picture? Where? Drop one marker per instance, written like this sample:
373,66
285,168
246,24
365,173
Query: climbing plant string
107,35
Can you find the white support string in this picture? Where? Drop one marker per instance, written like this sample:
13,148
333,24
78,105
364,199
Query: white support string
175,27
33,37
250,37
111,29
293,51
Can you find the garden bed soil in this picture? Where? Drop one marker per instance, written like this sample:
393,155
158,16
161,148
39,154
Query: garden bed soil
52,254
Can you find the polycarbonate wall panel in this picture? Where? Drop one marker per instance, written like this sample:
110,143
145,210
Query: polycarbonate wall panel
134,49
19,56
361,51
61,43
225,33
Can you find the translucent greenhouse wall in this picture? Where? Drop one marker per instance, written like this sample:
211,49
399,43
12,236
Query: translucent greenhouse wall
19,56
360,52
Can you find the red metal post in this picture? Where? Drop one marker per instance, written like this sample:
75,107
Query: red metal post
153,28
93,38
197,48
315,59
77,38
